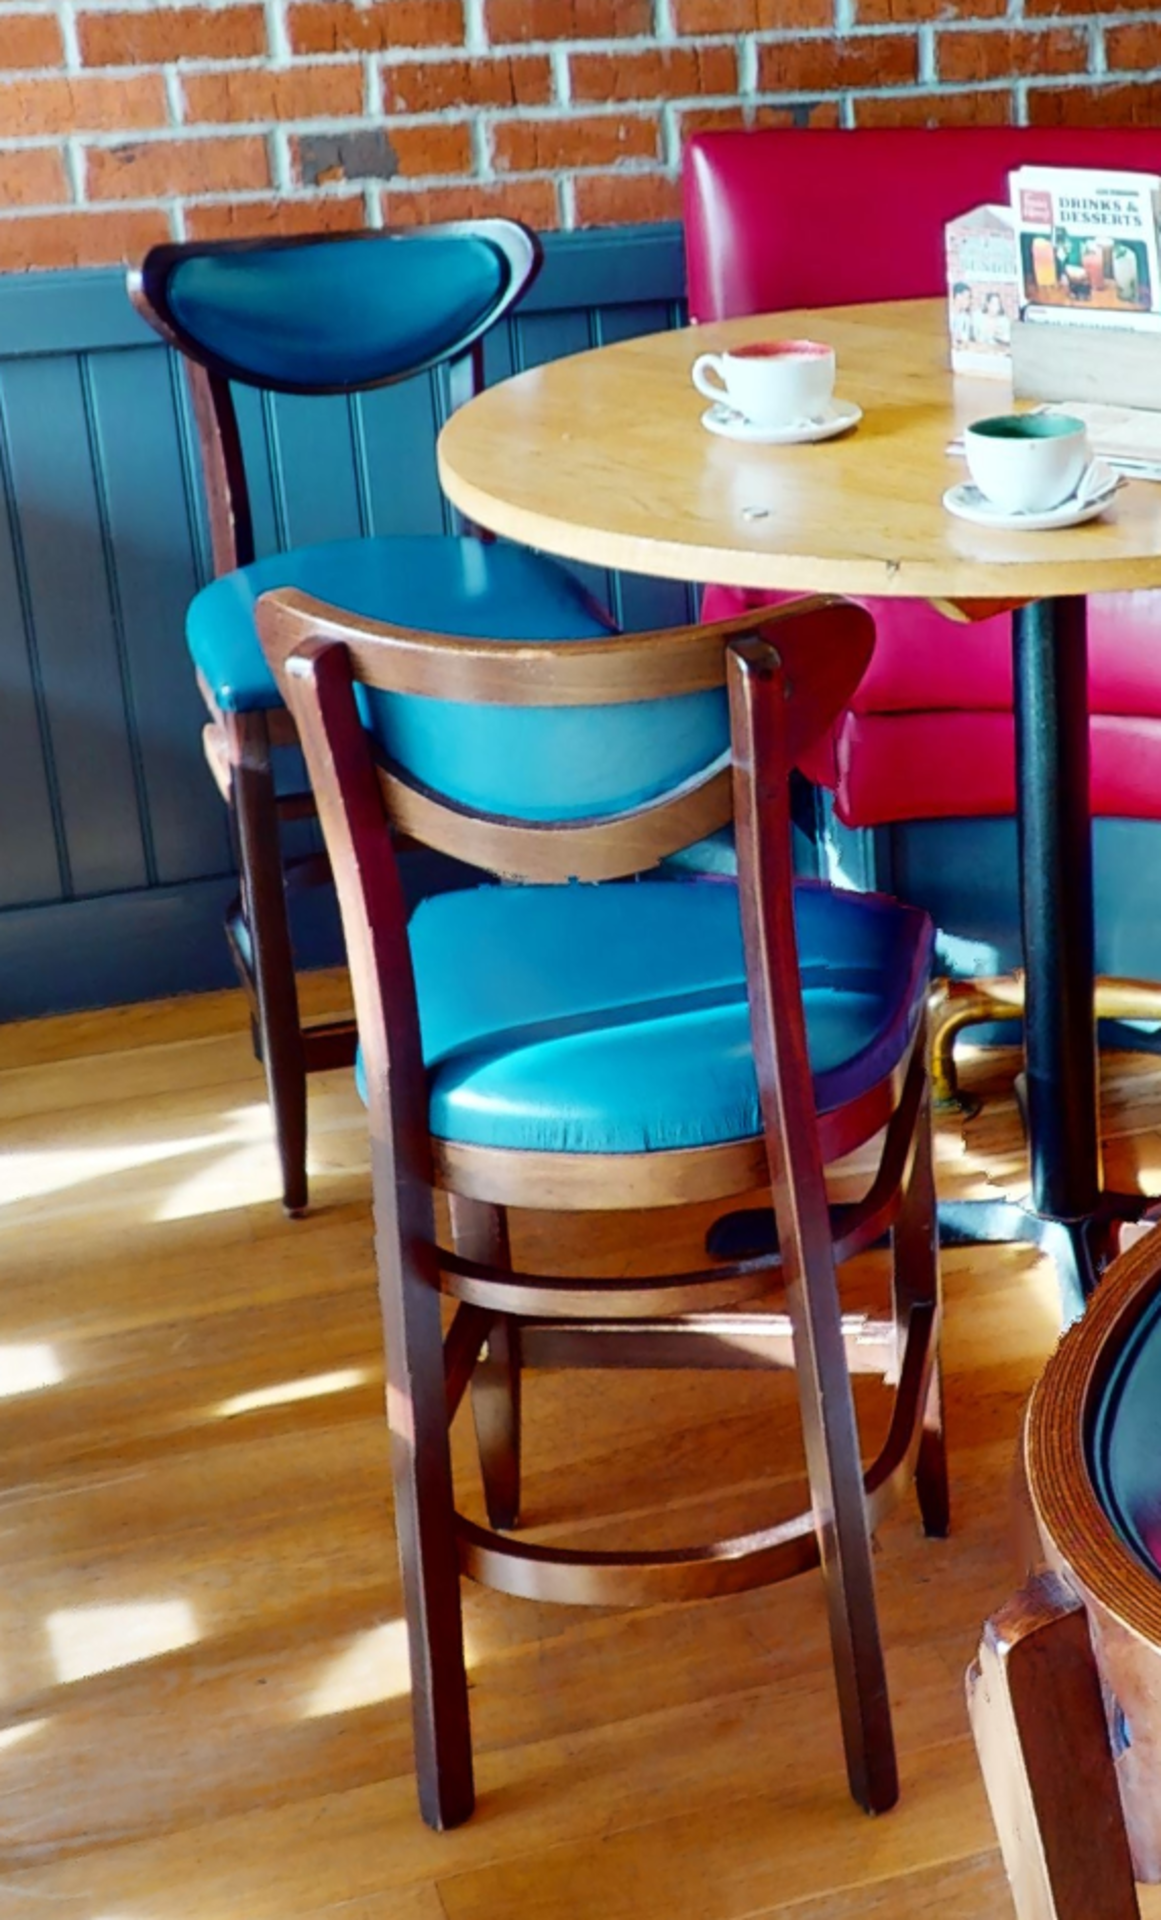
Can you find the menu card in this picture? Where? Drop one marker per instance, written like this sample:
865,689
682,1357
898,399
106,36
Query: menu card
1088,240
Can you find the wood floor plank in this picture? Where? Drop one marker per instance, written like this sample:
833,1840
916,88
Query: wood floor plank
203,1712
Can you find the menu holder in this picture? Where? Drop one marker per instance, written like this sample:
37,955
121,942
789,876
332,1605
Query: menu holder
1077,361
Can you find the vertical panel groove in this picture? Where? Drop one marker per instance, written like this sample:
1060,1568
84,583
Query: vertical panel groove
117,616
359,463
28,621
190,458
515,342
277,476
439,392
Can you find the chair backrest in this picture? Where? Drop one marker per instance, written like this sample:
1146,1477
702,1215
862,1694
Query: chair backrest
785,217
324,314
335,313
382,678
785,689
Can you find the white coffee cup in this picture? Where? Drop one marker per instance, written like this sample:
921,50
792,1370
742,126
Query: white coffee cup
773,383
1027,462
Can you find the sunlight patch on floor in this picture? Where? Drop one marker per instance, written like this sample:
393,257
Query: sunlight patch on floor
88,1640
374,1667
48,1170
285,1392
242,1171
13,1736
28,1368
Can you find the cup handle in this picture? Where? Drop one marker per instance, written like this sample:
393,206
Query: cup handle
699,371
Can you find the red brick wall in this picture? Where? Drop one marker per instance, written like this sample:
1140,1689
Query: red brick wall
121,123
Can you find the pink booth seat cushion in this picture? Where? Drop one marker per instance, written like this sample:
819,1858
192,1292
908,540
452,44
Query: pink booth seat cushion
768,213
929,733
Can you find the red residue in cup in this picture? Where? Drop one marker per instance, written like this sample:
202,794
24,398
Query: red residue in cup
780,350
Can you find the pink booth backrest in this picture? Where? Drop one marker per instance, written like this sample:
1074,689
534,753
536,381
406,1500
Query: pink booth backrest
783,218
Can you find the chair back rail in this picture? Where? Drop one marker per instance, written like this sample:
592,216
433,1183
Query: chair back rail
827,644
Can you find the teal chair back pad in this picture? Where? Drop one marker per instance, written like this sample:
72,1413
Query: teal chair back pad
336,313
652,802
319,314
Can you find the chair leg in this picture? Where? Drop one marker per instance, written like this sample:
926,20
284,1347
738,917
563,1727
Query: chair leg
425,1526
758,710
1034,1699
915,1282
480,1232
271,954
836,1487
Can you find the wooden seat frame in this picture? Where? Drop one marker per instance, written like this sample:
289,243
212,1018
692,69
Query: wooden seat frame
784,683
1063,1694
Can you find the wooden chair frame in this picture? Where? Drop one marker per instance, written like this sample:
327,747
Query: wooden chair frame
239,747
783,682
1063,1693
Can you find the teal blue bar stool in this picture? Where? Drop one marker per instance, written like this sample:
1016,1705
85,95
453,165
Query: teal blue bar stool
593,1031
316,315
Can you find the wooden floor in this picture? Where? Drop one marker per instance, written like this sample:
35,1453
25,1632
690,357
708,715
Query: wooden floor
202,1679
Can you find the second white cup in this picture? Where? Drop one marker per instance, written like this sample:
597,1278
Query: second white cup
772,383
1027,462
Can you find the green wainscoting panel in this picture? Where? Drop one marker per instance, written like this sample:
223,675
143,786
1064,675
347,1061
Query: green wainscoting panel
114,857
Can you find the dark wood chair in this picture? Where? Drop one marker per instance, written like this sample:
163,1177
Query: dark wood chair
635,1043
318,315
1065,1694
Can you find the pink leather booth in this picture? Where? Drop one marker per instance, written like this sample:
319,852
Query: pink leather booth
786,218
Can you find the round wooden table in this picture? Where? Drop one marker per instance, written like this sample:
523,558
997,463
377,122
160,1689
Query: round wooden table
602,458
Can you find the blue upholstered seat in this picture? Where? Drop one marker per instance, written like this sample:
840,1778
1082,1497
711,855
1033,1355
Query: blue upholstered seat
533,762
432,581
1125,1444
614,1018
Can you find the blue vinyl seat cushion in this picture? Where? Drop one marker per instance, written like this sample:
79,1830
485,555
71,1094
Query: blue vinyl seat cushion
614,1018
532,762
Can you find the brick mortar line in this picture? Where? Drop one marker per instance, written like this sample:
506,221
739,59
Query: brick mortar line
390,59
281,164
193,133
277,37
312,196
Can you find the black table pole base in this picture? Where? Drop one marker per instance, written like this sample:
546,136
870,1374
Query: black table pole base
1068,1215
1080,1249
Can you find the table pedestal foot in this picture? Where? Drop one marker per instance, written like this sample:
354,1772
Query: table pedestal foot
1080,1249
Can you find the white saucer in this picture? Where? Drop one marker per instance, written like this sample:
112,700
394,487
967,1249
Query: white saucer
840,417
968,503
